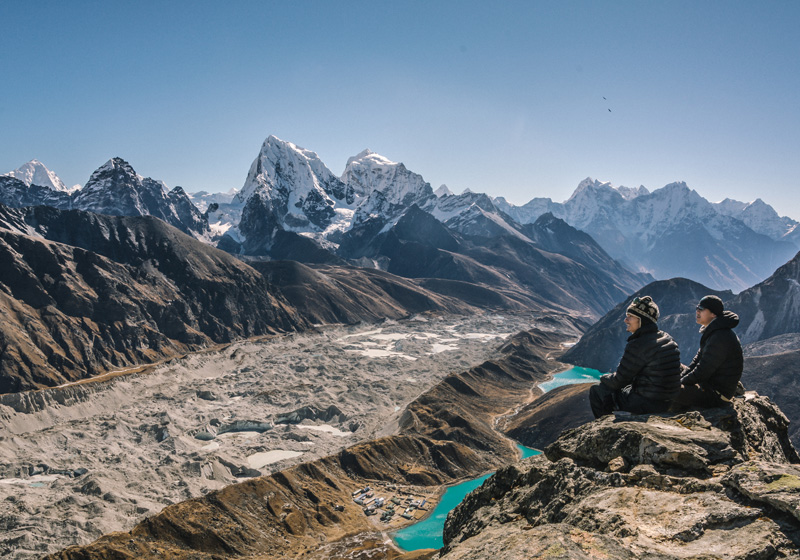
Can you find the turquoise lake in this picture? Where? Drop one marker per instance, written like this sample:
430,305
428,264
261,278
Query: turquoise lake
428,532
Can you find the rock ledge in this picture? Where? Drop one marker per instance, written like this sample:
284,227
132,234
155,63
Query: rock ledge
717,483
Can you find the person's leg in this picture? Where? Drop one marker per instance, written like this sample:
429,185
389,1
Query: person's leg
637,404
694,396
601,399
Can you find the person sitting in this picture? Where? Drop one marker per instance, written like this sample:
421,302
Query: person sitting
649,374
712,379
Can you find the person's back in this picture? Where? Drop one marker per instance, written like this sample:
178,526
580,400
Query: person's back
660,375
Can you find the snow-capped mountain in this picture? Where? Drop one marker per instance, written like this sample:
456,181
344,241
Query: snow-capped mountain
368,172
629,193
17,194
443,190
761,218
117,190
530,211
284,170
113,189
36,173
291,197
204,199
473,214
388,188
288,188
670,232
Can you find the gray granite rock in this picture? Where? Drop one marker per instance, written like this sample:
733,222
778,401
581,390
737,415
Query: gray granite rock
717,483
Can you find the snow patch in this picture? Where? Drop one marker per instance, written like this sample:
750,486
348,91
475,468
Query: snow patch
259,460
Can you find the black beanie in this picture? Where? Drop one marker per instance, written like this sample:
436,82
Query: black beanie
713,304
645,308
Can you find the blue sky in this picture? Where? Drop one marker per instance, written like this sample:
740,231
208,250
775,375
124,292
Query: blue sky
506,99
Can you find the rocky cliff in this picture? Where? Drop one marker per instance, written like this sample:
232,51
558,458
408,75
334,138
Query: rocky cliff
718,483
772,370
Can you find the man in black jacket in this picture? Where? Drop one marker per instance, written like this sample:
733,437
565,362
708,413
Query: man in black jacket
712,378
649,375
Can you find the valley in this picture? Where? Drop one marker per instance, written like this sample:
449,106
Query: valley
88,459
178,382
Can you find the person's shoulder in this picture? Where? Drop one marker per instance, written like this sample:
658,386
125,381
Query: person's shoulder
665,338
643,337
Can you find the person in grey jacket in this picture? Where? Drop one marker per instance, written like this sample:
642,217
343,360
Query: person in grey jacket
712,379
649,374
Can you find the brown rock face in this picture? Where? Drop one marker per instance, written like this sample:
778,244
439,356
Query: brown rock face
140,292
719,483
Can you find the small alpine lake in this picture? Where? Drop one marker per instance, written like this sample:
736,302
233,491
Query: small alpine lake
428,532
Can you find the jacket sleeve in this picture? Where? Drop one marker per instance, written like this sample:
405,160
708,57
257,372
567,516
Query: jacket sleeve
693,363
630,365
703,366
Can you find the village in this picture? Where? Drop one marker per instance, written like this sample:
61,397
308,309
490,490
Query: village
403,503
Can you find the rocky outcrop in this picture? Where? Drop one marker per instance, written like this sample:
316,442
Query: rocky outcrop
775,374
718,483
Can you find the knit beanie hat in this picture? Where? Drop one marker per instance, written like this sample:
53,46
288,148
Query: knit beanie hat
645,308
713,304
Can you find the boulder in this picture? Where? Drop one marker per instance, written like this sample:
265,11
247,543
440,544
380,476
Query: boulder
716,483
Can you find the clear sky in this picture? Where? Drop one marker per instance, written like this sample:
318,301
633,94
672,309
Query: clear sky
507,98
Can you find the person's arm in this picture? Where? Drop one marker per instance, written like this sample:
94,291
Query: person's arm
703,367
686,371
629,367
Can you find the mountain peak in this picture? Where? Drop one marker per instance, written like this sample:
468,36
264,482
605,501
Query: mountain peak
590,184
677,185
368,157
114,166
444,190
629,193
369,172
286,167
36,173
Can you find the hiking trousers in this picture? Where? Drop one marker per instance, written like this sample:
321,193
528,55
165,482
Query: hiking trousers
605,400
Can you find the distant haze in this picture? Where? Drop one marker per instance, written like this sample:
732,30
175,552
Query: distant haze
516,99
